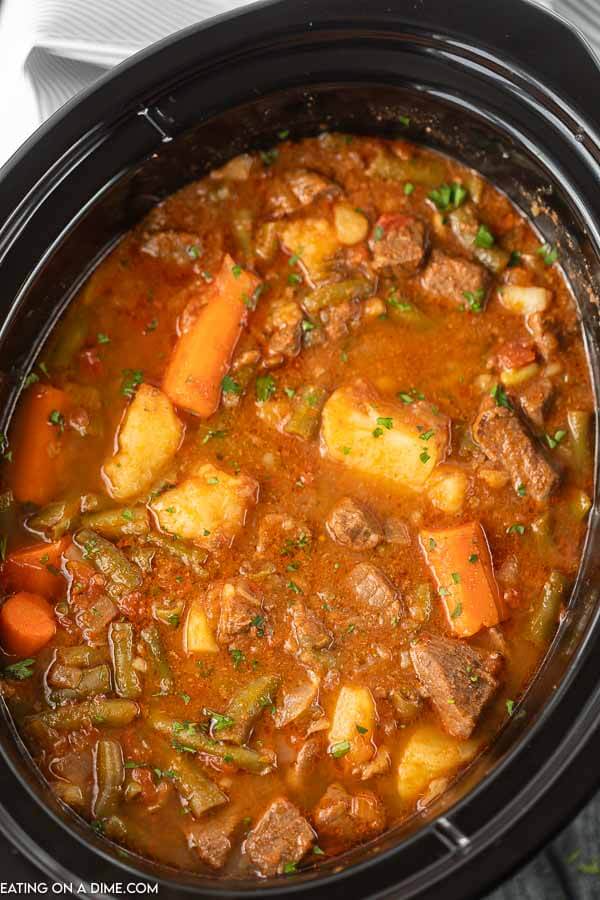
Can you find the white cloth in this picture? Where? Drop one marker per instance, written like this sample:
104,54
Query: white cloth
51,49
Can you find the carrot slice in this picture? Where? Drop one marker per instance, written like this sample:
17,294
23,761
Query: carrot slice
27,623
36,569
38,445
461,564
202,355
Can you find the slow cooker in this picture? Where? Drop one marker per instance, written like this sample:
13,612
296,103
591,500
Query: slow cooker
505,87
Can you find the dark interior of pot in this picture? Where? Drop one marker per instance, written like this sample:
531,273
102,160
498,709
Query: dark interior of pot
506,153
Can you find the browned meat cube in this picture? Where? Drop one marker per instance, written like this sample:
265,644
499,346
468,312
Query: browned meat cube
459,679
455,280
179,247
515,354
284,328
337,320
351,525
281,837
504,439
210,841
371,587
308,630
535,399
307,185
237,607
398,240
282,535
343,820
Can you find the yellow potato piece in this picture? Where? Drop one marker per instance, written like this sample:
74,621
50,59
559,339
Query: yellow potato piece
351,226
447,488
198,636
429,754
353,723
399,442
315,242
147,440
208,507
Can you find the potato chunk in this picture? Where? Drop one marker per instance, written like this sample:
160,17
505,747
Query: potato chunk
429,754
399,442
208,507
314,241
447,488
198,635
148,439
351,732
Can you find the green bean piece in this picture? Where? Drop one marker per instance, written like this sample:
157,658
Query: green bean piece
121,575
192,737
109,712
127,682
142,557
82,656
62,676
419,170
578,504
56,518
336,293
169,612
579,422
543,532
91,682
115,523
304,421
162,669
199,791
408,314
545,618
267,241
465,224
190,556
494,258
241,225
244,709
109,774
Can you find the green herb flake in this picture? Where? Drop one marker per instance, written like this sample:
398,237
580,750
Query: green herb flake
510,705
237,657
236,271
448,196
514,259
474,557
408,188
549,254
340,749
385,422
293,587
554,441
132,378
185,697
377,432
361,729
456,577
103,338
265,388
424,457
521,490
457,611
19,671
290,868
500,396
284,134
230,386
378,233
484,238
57,419
516,528
474,300
268,157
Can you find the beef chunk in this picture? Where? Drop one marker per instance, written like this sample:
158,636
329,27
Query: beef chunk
343,820
284,329
535,399
459,679
398,240
307,185
282,836
454,279
282,535
351,525
337,320
504,438
179,247
308,630
371,587
210,842
236,606
515,354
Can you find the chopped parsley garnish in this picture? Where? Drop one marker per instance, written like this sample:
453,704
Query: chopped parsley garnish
282,135
127,514
339,749
132,378
258,622
484,237
516,528
400,305
230,386
193,251
474,557
289,868
424,457
317,851
457,611
307,325
456,577
521,490
236,271
103,338
378,233
237,657
213,433
377,432
510,705
555,441
409,188
474,300
19,671
269,156
385,422
404,120
427,435
185,697
56,418
265,387
514,260
448,196
294,278
549,254
293,587
432,543
212,480
346,450
361,729
218,721
500,396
